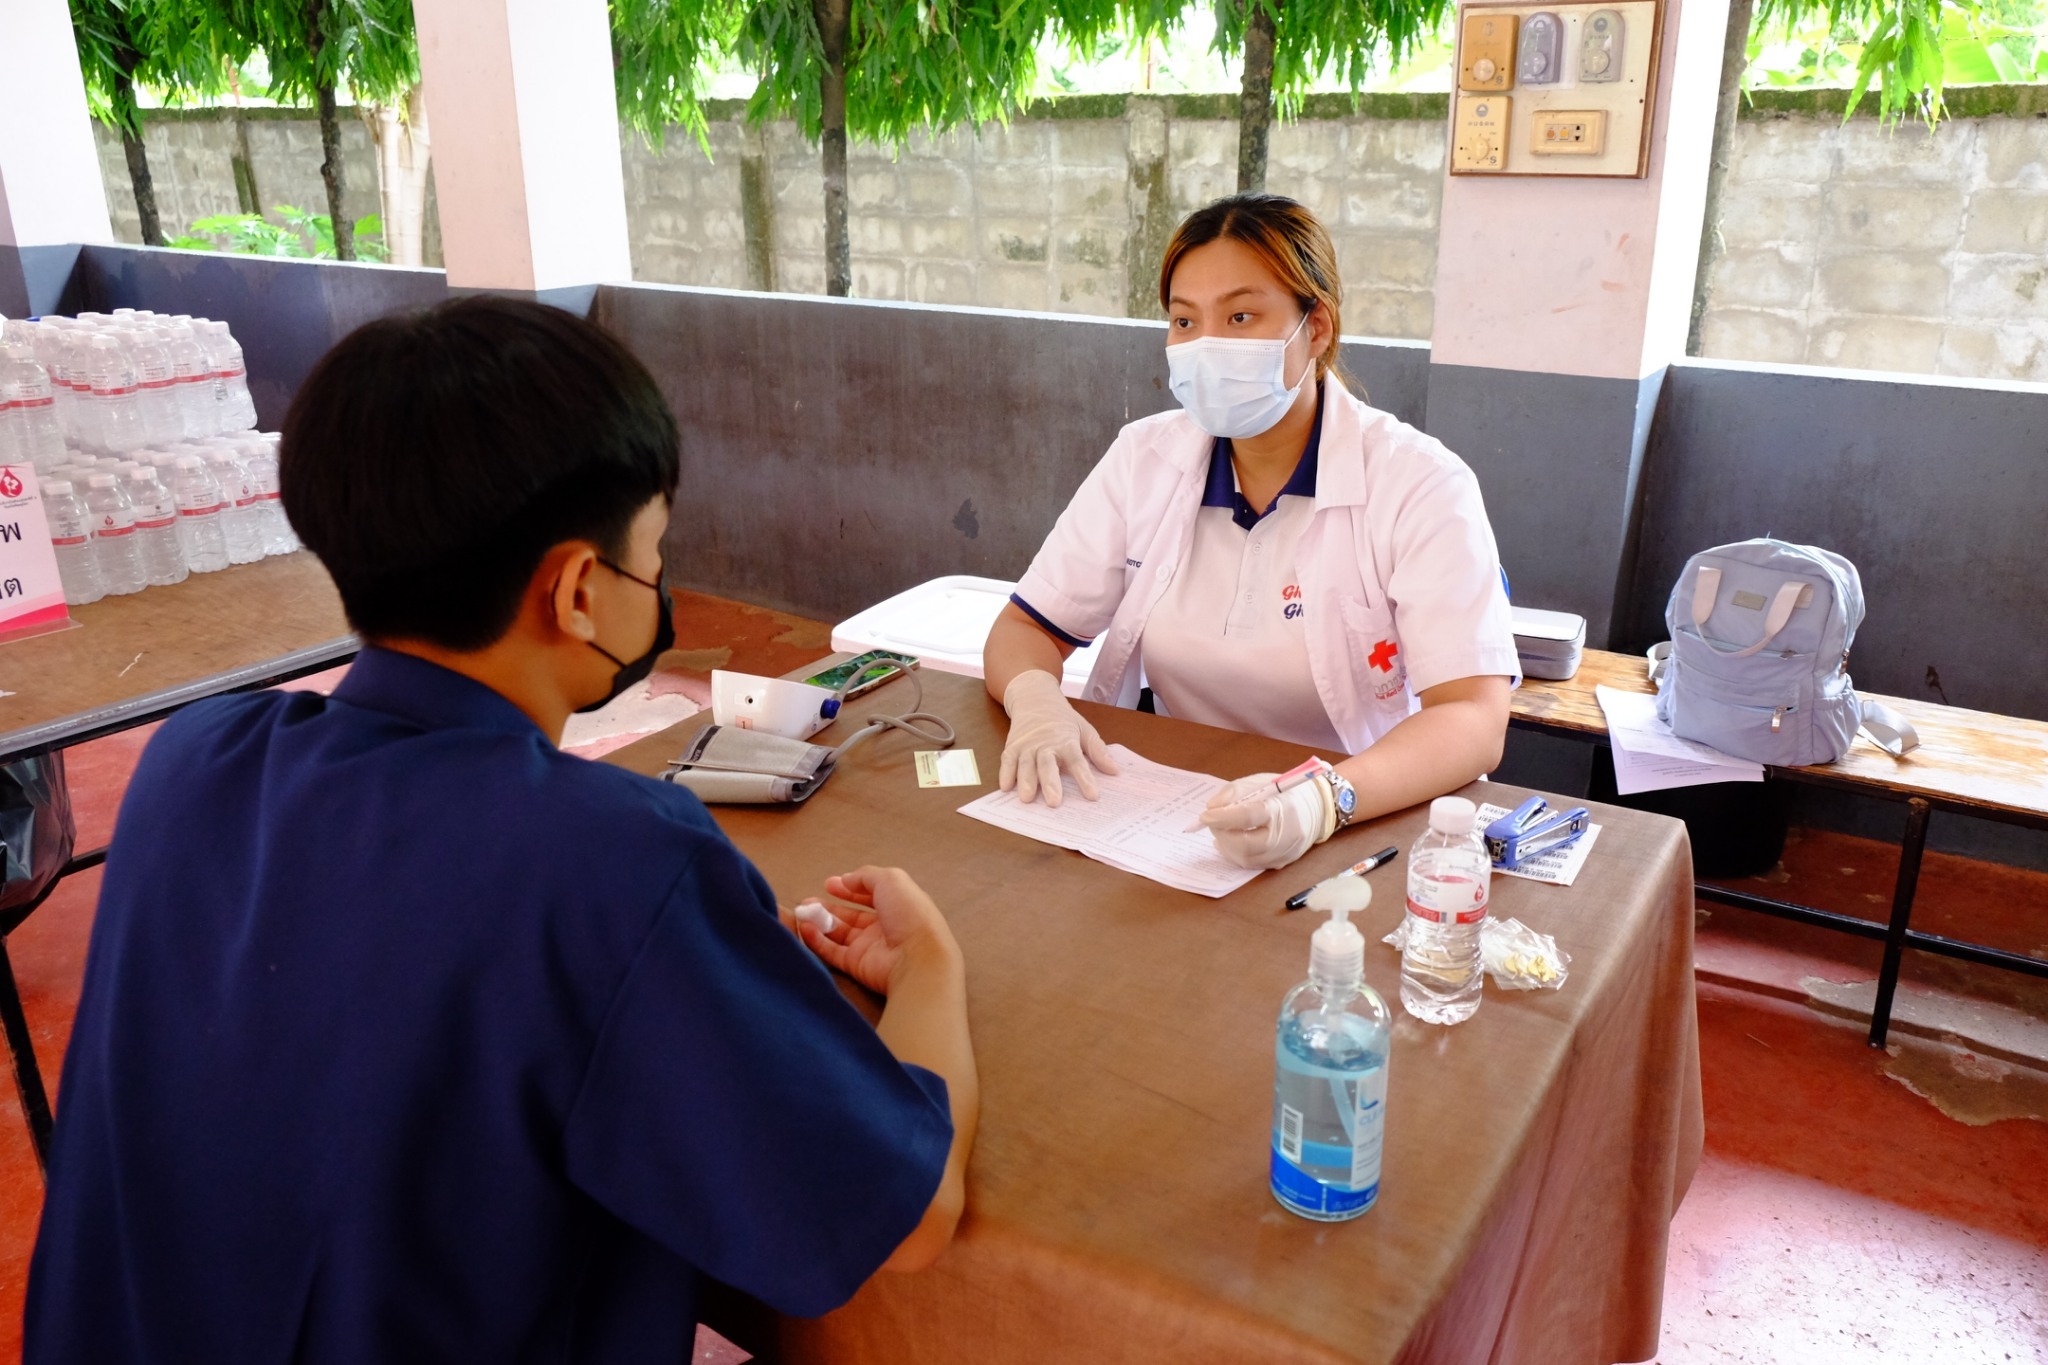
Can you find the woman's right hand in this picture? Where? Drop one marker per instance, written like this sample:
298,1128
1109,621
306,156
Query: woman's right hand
1047,735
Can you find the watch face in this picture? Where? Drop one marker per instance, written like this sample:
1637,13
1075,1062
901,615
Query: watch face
1347,799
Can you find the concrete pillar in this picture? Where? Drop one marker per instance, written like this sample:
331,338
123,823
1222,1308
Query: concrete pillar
1559,304
51,198
526,145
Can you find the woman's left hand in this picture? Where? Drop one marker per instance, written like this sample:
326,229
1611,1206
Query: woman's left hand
1256,827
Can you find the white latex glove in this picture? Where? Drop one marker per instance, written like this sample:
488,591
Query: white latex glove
1254,827
1046,735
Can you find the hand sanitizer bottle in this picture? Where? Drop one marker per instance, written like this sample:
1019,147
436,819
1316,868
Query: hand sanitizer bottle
1330,1089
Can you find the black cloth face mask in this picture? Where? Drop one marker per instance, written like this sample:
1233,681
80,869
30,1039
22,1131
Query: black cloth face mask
633,671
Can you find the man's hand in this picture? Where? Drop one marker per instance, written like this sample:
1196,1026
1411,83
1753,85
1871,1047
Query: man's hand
886,926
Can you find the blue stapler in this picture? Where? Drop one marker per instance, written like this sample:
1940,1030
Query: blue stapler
1533,828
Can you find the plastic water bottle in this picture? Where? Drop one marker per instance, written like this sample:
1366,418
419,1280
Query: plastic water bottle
78,563
1447,889
156,387
30,404
113,535
274,529
156,527
1330,1078
230,377
199,528
240,516
115,401
194,380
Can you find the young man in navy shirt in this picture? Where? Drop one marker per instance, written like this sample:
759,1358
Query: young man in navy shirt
407,1036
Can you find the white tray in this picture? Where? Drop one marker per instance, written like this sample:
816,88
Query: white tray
945,623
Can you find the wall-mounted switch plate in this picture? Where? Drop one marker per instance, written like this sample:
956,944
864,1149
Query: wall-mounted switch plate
1542,50
1486,51
1600,46
1479,138
1568,132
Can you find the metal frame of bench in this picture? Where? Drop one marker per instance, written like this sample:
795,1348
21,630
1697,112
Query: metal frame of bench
1897,934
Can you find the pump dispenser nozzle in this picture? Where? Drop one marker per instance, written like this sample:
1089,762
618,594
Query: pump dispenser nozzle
1337,949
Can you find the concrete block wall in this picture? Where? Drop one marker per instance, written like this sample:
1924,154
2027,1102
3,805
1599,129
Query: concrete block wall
1853,246
1065,211
1847,245
191,163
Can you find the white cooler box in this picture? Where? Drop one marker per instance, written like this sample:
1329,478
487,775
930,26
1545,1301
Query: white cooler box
945,623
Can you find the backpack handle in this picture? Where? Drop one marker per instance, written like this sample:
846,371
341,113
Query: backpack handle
1707,586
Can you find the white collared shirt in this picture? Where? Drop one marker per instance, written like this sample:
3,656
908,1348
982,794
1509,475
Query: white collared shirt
1399,576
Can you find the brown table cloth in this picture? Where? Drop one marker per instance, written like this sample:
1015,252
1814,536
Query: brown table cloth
128,650
1117,1200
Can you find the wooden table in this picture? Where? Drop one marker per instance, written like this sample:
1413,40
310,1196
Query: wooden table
130,660
1117,1201
1968,762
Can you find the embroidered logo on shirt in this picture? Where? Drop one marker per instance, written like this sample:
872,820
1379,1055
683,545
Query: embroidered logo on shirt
1290,596
1385,660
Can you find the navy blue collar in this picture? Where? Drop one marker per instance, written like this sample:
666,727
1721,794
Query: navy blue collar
436,698
1221,489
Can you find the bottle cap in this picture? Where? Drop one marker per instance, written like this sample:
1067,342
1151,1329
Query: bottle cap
190,462
100,481
1337,950
57,486
1452,815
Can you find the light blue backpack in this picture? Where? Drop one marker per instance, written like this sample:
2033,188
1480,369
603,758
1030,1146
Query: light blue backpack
1757,665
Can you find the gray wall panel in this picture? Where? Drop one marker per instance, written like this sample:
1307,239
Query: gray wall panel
1558,459
1937,491
836,452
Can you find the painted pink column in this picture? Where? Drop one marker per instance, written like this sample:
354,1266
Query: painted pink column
526,142
1587,277
51,197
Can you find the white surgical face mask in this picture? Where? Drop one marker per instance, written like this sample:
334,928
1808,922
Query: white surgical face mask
1234,386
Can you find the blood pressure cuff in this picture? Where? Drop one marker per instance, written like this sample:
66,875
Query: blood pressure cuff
729,766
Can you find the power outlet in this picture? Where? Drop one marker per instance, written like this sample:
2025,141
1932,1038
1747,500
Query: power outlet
1486,51
1568,132
1479,136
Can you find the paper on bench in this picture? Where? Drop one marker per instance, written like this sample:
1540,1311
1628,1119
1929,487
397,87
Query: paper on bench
1648,757
1139,825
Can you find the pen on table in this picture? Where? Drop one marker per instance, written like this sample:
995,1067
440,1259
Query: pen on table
1282,784
1379,859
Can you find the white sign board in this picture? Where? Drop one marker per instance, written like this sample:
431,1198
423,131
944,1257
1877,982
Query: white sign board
31,594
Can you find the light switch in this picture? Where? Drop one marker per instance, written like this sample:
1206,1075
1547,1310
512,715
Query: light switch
1600,46
1479,138
1486,51
1542,48
1568,132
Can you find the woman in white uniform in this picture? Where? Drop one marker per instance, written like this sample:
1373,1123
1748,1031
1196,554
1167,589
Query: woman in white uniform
1276,557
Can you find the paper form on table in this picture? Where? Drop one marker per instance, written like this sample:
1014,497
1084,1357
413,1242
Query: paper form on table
1648,757
1138,825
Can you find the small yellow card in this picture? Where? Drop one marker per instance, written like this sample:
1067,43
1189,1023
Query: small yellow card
947,768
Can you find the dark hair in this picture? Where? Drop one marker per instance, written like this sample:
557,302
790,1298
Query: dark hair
1292,242
432,460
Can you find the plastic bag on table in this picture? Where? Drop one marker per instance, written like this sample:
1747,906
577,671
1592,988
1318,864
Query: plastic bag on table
1514,955
36,831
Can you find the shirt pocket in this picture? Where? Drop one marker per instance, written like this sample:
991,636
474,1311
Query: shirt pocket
1377,666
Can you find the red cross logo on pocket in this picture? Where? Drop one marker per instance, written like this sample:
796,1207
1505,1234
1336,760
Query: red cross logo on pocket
1382,656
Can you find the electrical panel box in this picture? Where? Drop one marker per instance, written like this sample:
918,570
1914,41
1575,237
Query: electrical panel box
1555,89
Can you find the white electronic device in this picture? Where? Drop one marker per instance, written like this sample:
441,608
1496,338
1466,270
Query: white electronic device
793,710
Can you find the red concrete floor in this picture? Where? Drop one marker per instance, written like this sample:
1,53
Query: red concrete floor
1838,1215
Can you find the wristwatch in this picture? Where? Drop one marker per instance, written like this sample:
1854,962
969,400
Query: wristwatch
1343,796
